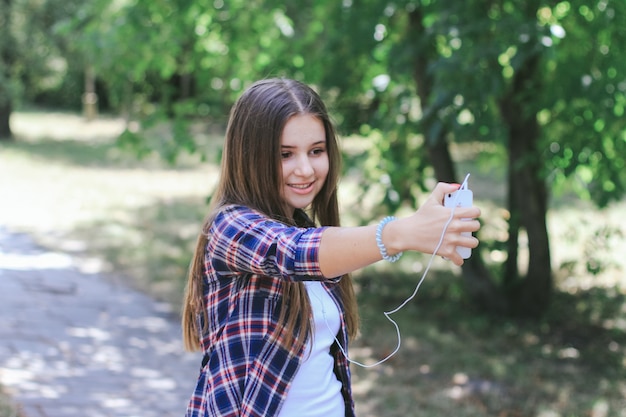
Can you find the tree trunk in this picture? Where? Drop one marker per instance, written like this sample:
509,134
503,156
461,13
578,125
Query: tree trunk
511,272
90,97
530,295
5,128
6,60
479,285
437,146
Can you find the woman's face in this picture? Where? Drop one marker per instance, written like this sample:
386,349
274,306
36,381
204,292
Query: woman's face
304,160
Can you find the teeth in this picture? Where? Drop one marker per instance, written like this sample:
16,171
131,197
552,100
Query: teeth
301,186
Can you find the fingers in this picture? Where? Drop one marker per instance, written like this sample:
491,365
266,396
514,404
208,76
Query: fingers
464,225
467,212
453,257
432,218
459,234
458,240
437,197
449,250
441,189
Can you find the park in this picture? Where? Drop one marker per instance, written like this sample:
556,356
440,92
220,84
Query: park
112,117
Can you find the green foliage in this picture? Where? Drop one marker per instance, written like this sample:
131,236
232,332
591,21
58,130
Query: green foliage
41,58
415,78
583,104
186,59
10,87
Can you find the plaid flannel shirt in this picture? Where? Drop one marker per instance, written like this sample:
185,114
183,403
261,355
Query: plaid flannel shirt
247,258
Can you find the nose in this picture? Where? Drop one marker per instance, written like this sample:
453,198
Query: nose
304,167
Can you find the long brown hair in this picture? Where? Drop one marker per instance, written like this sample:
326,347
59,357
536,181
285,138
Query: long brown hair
250,176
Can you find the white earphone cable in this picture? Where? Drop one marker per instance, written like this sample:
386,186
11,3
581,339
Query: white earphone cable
417,287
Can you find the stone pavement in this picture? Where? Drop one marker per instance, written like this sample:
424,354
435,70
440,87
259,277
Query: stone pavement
74,343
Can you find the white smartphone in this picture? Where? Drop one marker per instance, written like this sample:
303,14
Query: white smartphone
463,197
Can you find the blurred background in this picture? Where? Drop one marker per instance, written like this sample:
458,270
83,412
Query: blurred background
112,116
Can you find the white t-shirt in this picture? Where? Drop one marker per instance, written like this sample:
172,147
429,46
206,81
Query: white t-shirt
315,390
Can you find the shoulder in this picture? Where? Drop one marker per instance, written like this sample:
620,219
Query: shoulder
237,220
236,214
238,210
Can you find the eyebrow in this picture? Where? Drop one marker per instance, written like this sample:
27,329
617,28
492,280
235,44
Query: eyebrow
313,144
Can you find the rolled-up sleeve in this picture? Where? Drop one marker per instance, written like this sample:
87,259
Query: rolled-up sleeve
244,241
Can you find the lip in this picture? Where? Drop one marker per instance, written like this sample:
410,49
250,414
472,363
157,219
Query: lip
301,188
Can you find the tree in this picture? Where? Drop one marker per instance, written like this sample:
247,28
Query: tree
542,79
36,60
527,193
500,71
7,62
514,65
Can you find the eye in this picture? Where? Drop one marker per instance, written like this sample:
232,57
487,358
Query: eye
285,155
318,151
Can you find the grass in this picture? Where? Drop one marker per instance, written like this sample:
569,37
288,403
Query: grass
456,362
67,184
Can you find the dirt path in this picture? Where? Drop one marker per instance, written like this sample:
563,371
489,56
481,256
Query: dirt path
73,343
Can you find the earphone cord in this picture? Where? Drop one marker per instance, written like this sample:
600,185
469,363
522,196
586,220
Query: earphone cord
395,310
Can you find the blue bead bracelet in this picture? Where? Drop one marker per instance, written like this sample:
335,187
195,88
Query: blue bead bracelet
379,240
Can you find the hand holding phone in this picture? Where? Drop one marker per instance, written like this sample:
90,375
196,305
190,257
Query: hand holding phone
463,197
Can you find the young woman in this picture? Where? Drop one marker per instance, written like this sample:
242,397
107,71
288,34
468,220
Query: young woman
269,298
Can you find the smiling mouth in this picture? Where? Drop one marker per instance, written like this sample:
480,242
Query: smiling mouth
301,186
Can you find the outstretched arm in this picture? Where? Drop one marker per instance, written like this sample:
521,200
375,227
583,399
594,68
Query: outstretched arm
346,249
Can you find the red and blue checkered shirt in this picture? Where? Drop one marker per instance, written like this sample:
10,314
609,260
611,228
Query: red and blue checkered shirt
247,258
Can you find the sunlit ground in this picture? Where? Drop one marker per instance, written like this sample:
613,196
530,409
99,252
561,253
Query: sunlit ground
104,348
70,187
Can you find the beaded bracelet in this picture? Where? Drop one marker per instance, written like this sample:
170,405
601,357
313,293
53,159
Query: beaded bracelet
379,240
